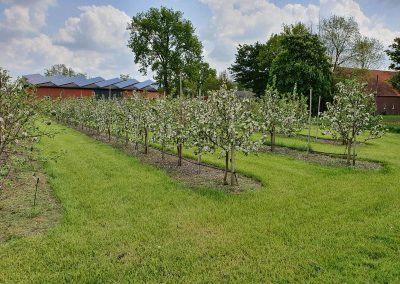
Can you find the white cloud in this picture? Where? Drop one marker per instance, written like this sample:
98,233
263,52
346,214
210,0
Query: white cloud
94,42
97,27
25,16
370,27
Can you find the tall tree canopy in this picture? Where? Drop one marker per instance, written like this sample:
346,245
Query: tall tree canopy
248,70
339,35
394,55
164,42
368,53
302,61
62,69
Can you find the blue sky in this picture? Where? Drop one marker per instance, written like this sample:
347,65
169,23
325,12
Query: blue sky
90,36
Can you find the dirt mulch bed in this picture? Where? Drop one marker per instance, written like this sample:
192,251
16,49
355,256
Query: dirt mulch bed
188,173
19,217
323,159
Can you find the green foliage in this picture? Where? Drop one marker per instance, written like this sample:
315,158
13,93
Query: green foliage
248,70
166,43
302,62
62,69
340,34
368,53
394,54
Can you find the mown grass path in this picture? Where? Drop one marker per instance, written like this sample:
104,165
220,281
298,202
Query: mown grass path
128,222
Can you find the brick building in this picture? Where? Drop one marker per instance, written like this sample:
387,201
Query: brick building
75,87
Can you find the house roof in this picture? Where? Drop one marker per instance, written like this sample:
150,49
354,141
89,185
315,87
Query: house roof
95,83
378,81
147,85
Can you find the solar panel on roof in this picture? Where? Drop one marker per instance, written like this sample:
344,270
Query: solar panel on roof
144,84
85,82
109,82
127,83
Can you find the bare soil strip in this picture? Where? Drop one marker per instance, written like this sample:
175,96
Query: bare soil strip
323,159
19,217
207,177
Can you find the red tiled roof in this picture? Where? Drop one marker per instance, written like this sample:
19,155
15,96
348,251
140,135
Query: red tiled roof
378,81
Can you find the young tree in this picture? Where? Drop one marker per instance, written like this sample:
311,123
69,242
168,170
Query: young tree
249,71
19,109
351,114
164,42
181,125
302,62
62,69
281,113
163,120
233,124
200,130
394,55
368,53
339,35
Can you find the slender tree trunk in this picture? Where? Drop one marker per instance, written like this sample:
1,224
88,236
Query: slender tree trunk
348,152
354,150
146,140
198,163
109,134
273,139
179,148
233,174
126,138
226,167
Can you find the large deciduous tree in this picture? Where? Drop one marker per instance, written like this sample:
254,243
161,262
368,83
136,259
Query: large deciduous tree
164,42
394,55
368,53
302,61
351,114
248,70
339,35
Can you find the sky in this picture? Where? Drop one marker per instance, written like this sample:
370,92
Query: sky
91,36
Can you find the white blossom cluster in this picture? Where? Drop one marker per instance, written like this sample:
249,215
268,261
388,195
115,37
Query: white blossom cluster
351,116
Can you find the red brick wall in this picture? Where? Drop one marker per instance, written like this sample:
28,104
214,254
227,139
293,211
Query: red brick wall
385,105
56,93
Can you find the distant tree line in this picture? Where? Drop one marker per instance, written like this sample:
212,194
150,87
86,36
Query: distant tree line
312,61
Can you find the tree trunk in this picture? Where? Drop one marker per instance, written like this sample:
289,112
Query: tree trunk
199,163
109,134
273,139
146,140
354,151
179,149
348,152
226,168
233,174
126,138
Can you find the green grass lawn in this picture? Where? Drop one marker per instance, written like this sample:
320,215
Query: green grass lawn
123,220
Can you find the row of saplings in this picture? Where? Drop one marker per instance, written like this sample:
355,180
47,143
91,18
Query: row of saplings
223,122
